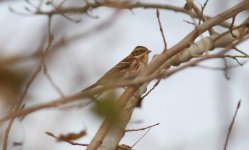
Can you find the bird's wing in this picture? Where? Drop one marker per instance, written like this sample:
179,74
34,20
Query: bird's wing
117,71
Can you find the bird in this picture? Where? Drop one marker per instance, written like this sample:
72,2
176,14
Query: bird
127,68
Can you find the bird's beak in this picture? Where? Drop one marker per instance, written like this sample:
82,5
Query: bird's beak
148,51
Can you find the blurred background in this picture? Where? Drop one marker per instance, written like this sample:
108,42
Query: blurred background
194,107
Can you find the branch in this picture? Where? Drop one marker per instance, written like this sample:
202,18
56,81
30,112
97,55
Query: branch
17,106
96,29
231,125
55,103
43,63
58,138
119,5
199,13
195,49
161,29
153,67
132,130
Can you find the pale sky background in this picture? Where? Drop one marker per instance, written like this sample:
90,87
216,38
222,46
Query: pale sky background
194,107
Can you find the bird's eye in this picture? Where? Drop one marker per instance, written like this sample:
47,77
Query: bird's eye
137,53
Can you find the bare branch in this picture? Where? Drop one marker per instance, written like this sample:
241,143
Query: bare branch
199,13
141,137
141,79
152,68
117,5
226,69
65,140
52,104
132,130
231,125
245,54
18,105
154,86
43,63
232,25
161,29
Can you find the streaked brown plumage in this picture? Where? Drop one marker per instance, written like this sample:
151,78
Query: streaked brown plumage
126,68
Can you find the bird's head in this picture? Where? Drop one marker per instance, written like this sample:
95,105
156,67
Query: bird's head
140,51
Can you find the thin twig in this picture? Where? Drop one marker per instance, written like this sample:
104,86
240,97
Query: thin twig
165,48
140,129
96,29
119,5
65,140
154,86
211,30
55,103
235,58
17,106
161,29
203,8
141,137
44,66
65,15
231,125
6,134
202,17
226,69
232,25
245,54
